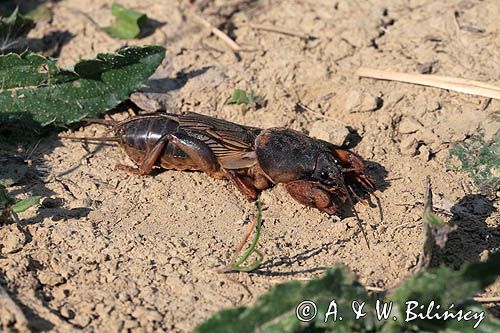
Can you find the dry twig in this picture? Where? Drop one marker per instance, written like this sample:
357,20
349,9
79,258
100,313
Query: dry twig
445,82
224,37
280,30
481,299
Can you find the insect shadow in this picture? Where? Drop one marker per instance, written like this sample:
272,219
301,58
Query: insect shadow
150,27
52,43
472,236
266,268
167,84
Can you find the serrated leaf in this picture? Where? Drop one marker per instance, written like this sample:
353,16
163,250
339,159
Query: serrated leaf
13,29
128,23
443,286
36,92
15,25
480,159
275,311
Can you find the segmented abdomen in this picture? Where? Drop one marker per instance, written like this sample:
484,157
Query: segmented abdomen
142,134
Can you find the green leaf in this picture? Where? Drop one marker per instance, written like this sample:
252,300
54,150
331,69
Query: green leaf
128,23
13,29
480,159
33,9
275,311
23,205
435,233
443,286
36,92
242,97
486,325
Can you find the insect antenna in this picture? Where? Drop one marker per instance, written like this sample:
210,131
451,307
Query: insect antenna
357,197
358,220
369,203
107,122
86,139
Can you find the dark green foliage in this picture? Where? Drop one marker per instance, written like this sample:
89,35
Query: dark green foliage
275,311
480,159
35,92
13,30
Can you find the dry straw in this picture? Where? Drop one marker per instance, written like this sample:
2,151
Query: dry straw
445,82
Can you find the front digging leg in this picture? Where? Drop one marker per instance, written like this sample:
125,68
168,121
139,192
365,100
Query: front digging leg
243,185
307,194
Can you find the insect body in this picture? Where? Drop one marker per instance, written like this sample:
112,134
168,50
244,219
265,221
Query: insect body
314,172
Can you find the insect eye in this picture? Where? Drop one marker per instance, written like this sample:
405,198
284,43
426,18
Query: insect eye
324,175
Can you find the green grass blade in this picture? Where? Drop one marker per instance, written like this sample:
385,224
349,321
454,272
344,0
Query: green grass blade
236,266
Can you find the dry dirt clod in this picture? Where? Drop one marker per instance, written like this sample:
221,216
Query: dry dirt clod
80,203
483,256
49,278
11,315
409,125
123,297
426,68
67,311
52,202
424,153
11,239
359,101
408,146
146,316
329,131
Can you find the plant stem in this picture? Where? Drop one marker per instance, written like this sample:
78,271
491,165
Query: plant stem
236,264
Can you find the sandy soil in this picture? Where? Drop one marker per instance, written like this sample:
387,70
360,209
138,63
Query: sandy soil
109,251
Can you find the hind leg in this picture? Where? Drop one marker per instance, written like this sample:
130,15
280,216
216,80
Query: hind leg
204,158
149,160
197,151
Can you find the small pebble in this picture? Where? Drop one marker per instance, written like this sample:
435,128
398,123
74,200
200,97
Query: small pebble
67,311
408,146
409,125
329,131
358,101
425,68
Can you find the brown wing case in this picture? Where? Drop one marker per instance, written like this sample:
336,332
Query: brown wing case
232,144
